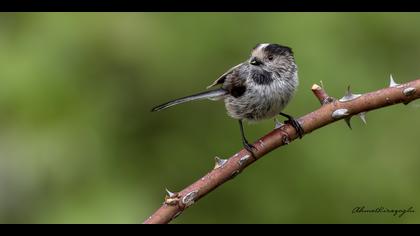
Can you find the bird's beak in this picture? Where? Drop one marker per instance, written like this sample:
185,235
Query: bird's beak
255,61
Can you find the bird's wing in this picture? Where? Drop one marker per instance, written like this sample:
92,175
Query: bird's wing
235,83
222,78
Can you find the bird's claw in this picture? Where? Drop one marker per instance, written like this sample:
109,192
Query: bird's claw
250,148
297,126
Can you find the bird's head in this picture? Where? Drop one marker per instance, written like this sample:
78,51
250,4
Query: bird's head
272,57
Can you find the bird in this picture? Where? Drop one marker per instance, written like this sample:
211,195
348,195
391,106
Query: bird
257,89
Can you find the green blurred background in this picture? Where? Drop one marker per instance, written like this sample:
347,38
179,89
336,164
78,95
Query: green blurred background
79,145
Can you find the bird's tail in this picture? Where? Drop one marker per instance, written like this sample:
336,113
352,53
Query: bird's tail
212,94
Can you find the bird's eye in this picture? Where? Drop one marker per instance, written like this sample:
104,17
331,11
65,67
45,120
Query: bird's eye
270,58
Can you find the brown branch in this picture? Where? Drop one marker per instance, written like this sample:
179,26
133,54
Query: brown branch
332,110
322,96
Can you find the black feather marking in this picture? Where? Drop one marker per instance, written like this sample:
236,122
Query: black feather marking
221,80
262,77
235,84
276,49
237,91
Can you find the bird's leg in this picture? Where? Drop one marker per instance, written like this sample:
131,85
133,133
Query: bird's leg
292,121
249,147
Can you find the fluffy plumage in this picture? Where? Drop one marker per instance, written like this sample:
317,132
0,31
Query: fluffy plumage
257,89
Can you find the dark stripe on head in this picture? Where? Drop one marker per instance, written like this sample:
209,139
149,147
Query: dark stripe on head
277,49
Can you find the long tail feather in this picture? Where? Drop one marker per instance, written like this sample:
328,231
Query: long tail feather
199,96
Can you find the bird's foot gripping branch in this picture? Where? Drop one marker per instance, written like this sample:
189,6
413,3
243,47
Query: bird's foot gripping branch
331,110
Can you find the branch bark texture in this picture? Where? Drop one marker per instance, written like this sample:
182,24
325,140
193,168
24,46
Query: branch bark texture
331,110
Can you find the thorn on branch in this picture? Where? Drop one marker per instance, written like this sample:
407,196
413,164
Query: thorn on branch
349,96
348,119
170,194
219,162
171,198
277,123
362,116
392,83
